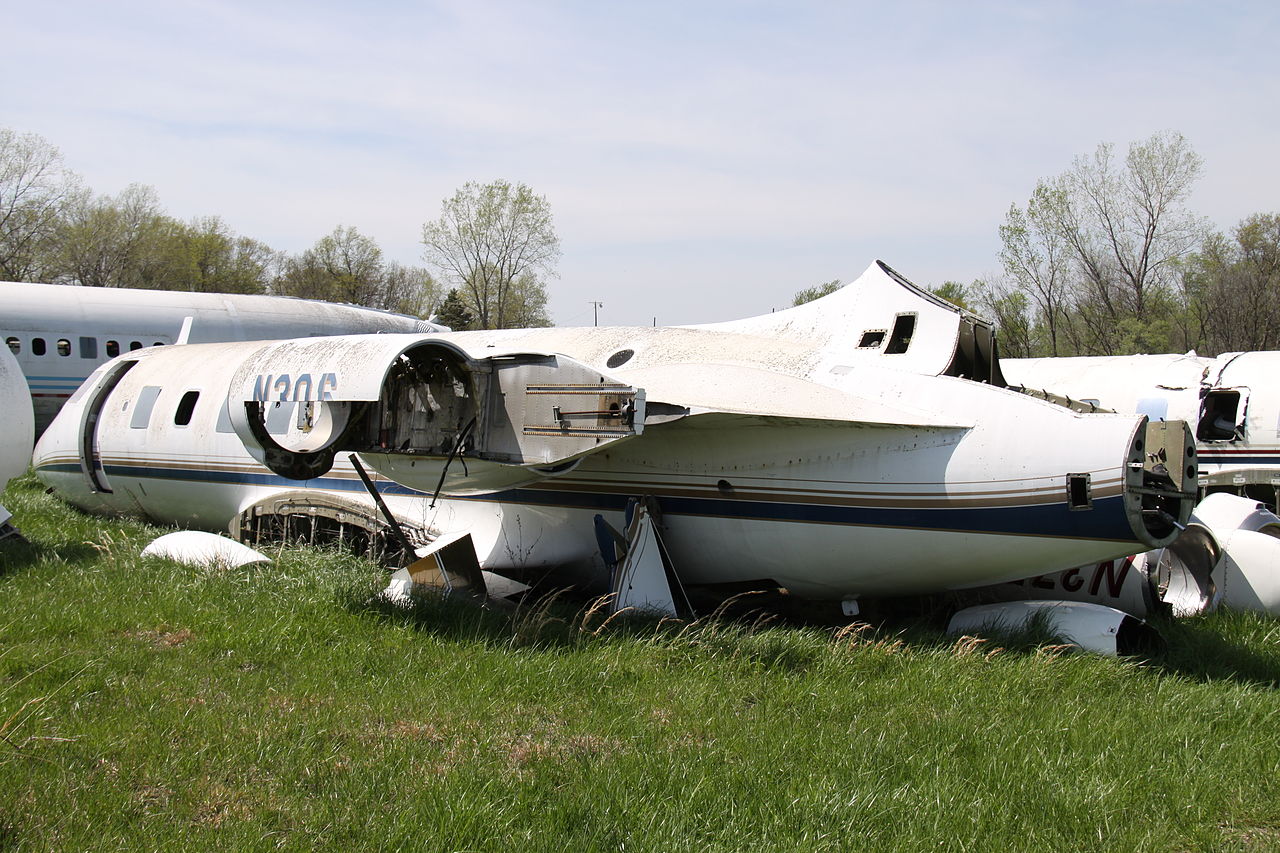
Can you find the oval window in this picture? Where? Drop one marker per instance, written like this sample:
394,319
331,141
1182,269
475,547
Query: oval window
620,358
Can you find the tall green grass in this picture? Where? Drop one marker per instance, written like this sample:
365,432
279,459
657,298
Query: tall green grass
156,707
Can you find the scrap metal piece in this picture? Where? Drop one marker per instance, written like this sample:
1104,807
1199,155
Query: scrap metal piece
206,550
1093,627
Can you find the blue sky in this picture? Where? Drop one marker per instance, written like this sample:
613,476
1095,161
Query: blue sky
704,160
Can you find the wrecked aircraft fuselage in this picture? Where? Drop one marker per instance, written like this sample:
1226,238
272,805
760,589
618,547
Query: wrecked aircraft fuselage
802,450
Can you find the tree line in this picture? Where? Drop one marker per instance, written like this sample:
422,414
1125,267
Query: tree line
1107,258
490,253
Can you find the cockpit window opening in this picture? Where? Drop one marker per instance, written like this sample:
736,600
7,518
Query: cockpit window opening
64,346
15,345
872,339
186,406
37,346
113,349
88,347
904,327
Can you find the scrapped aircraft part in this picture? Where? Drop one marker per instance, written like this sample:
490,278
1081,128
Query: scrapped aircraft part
643,579
1182,573
882,318
426,414
449,564
1176,580
313,517
1222,513
1081,406
8,531
738,389
1093,627
1161,479
1249,575
1248,534
206,550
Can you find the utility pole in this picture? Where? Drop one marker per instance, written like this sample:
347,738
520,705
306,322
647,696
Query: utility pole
595,313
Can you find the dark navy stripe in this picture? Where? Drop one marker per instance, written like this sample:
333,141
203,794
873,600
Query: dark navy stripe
1107,519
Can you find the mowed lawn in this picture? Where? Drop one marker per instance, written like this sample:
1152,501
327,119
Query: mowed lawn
149,706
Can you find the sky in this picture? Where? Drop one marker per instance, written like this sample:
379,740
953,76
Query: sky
703,160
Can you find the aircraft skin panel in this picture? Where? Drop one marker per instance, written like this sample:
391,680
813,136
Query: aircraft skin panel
1180,384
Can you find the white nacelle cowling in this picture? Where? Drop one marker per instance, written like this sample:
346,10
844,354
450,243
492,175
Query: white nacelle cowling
410,406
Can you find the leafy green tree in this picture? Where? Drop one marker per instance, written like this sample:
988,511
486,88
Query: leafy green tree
1231,288
1098,248
112,241
816,292
347,266
495,243
954,292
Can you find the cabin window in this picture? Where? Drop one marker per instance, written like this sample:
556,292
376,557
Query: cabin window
1219,416
37,346
15,345
135,345
904,326
146,401
158,344
186,406
88,347
113,349
871,338
64,346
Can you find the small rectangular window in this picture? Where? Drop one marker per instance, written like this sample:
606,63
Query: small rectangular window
186,406
15,345
64,346
113,349
37,346
88,347
1079,492
904,327
146,401
871,338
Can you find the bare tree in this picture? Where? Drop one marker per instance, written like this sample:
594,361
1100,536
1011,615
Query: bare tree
490,241
35,189
1098,247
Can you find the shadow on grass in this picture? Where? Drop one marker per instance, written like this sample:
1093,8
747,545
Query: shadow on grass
1234,647
20,553
1212,648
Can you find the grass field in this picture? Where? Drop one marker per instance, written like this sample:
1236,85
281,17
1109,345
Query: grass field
148,706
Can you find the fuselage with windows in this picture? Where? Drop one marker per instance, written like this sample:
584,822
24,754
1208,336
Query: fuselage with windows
60,333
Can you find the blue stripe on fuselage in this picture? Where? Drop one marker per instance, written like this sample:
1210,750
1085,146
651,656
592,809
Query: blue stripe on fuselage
1105,521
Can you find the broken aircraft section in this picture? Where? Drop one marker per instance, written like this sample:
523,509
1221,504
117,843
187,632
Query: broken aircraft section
862,445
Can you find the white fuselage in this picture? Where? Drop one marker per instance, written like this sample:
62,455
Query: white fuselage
835,449
826,508
1231,402
60,333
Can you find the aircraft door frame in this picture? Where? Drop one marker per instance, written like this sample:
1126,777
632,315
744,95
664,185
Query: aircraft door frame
90,457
